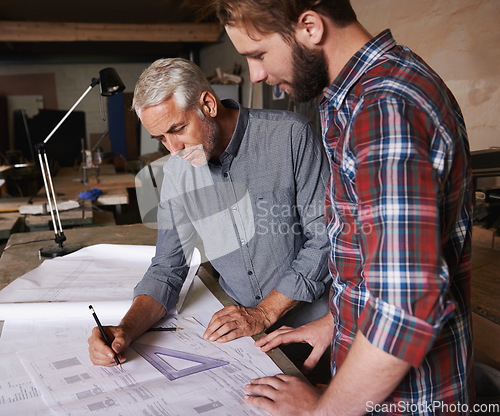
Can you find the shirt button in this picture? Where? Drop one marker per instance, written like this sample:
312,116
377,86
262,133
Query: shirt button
233,207
257,297
242,242
225,174
250,272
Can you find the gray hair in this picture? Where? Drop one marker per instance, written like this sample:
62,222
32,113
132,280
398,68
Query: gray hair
165,78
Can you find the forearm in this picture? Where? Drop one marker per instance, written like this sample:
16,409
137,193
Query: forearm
144,312
275,305
368,374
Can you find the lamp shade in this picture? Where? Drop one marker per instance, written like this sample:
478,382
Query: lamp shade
110,82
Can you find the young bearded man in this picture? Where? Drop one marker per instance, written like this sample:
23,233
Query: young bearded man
398,213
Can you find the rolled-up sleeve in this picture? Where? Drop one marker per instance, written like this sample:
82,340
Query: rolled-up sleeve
399,228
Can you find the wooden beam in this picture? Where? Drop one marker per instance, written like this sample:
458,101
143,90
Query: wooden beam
11,31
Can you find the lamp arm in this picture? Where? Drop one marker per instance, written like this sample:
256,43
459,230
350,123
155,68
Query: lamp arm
94,82
51,196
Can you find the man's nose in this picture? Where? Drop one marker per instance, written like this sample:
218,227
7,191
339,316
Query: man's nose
173,146
257,72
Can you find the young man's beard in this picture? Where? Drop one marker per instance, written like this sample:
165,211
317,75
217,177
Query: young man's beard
310,73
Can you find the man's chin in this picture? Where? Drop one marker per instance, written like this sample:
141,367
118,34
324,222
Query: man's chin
198,163
197,160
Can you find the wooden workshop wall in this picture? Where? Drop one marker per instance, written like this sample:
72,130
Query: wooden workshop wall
62,84
461,41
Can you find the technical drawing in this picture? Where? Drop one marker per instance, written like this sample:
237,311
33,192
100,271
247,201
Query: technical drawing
157,357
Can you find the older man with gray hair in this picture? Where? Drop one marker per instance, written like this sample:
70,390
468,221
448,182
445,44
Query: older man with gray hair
251,184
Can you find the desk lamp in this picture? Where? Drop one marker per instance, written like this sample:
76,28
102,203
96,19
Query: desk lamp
110,84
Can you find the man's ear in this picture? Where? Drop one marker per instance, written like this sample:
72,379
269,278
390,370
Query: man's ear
310,29
208,104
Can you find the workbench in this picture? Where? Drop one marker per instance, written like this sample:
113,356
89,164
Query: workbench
68,185
21,256
485,301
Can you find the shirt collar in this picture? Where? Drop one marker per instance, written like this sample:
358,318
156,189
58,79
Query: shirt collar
354,69
241,125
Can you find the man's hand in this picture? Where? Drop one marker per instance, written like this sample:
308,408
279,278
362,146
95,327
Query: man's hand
100,353
236,321
368,375
283,395
143,313
318,334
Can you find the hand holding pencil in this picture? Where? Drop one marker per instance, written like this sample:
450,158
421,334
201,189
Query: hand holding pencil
97,355
144,313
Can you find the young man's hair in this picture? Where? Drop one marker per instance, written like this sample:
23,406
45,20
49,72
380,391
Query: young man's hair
280,16
173,77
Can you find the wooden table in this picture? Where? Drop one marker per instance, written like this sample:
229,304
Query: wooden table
68,184
8,223
22,256
485,300
9,215
486,283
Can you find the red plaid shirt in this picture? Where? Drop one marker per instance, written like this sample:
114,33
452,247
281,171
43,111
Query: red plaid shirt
399,220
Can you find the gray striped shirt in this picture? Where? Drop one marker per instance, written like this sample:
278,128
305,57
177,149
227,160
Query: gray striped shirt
259,212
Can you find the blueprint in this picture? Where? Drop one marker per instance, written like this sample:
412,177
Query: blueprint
71,385
45,323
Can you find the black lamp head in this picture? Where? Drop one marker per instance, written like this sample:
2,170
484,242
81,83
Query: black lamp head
110,82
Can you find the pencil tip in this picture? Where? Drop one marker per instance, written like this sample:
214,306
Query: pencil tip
120,367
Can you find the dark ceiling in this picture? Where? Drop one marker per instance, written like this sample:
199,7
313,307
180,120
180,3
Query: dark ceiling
27,45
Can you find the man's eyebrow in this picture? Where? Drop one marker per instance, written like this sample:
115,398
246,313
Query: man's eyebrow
250,53
169,130
174,126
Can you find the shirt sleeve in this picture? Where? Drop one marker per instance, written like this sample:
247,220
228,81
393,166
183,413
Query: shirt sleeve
174,247
308,276
399,183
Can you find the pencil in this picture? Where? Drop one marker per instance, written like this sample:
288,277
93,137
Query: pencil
164,329
106,340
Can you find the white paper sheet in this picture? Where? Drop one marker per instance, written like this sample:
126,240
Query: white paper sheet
41,306
71,385
42,331
63,310
42,324
98,272
18,395
102,272
27,325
